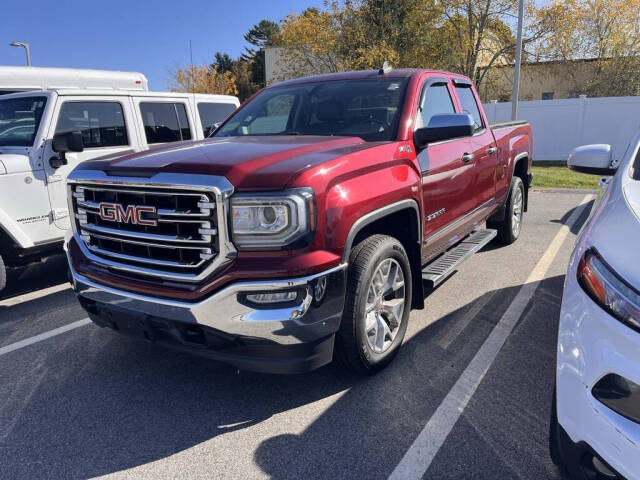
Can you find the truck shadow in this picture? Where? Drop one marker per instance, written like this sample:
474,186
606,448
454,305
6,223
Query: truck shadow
103,403
52,271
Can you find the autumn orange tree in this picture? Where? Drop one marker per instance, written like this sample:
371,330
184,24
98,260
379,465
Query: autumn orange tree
203,79
465,36
604,35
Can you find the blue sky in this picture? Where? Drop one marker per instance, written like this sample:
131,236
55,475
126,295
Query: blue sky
149,37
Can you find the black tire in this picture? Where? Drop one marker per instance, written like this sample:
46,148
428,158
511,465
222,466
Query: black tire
353,348
555,450
509,228
3,275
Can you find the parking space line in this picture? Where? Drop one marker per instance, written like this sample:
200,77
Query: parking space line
421,453
43,336
9,302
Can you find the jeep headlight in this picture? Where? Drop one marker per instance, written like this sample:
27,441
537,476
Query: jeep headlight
271,220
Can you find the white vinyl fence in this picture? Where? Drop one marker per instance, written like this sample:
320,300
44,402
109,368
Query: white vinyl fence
561,125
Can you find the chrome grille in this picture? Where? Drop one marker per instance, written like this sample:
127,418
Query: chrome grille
188,241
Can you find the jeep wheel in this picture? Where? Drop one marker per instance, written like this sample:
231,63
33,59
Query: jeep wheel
377,304
3,275
509,228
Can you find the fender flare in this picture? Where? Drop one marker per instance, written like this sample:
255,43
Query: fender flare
375,215
498,216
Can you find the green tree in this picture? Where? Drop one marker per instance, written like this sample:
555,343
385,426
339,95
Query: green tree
263,34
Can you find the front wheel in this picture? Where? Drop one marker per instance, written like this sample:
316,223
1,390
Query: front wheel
377,304
509,228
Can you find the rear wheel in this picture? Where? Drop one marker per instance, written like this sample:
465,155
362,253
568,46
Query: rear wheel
509,228
377,304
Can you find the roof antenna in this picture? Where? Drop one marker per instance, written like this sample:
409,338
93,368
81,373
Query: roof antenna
386,68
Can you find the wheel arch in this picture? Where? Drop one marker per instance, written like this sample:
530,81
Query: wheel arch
400,220
521,169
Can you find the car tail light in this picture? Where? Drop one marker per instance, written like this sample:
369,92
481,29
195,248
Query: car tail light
608,290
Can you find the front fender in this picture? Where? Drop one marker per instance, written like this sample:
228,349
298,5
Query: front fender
355,202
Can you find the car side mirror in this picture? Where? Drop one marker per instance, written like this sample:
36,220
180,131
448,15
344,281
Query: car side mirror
592,159
65,142
444,126
68,142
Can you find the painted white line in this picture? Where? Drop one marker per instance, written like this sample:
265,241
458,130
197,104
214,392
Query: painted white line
9,302
43,336
418,458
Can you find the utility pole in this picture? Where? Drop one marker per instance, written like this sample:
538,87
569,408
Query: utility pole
516,71
191,65
26,49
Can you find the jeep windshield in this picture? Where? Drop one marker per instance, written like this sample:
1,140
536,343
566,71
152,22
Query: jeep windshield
369,109
19,120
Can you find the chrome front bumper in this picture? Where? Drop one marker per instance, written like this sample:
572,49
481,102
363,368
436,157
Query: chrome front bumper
226,311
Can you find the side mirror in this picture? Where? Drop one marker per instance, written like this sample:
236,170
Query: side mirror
68,142
444,127
592,159
63,143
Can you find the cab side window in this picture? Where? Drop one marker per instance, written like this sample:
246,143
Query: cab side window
469,105
212,113
165,122
101,123
436,100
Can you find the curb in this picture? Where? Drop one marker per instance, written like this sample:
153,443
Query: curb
563,190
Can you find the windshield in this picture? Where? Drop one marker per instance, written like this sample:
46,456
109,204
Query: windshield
19,120
369,109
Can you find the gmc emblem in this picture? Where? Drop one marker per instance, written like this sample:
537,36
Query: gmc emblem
115,212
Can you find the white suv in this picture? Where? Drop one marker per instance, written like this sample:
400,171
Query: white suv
595,424
44,134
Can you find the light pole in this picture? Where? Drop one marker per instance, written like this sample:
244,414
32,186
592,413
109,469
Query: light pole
26,49
516,72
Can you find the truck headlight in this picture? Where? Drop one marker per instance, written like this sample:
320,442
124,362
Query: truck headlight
608,290
271,220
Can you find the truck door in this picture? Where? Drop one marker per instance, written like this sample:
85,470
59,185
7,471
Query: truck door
483,146
107,129
447,180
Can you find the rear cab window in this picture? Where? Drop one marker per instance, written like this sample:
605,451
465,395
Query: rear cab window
212,113
469,104
102,123
165,122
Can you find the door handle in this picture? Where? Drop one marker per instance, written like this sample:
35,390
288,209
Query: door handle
492,150
467,157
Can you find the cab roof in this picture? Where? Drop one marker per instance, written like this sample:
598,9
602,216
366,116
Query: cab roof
364,74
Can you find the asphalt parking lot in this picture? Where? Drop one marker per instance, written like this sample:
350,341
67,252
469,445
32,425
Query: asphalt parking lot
89,403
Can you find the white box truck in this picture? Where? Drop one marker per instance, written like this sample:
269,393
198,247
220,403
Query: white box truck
54,119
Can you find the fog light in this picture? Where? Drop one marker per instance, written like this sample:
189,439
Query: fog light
319,289
277,297
620,395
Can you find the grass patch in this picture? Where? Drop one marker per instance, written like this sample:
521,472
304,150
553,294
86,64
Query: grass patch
558,175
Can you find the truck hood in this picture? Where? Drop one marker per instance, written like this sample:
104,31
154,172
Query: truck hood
249,162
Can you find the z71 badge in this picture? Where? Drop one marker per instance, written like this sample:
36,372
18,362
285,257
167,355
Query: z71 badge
433,215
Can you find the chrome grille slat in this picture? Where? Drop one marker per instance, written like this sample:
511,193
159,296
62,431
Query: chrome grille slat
151,261
203,249
205,239
189,241
161,212
141,191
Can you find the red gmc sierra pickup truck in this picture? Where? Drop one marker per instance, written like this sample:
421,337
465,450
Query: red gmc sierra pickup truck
307,227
